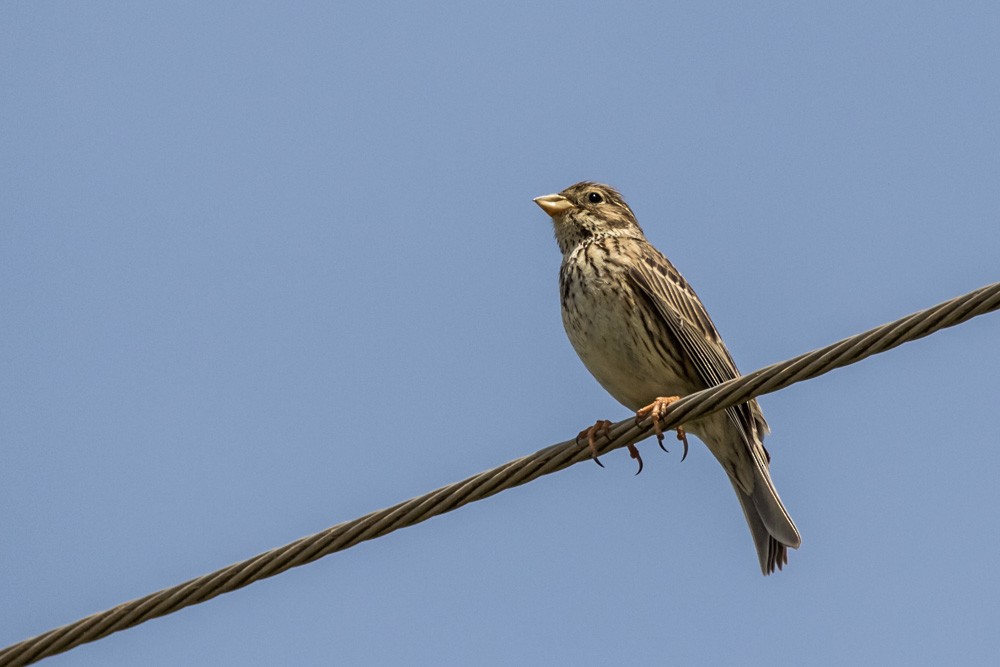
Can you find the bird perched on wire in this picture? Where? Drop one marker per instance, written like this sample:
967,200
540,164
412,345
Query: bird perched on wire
643,333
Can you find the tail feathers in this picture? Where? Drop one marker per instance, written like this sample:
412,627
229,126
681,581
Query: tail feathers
771,553
746,461
771,511
772,528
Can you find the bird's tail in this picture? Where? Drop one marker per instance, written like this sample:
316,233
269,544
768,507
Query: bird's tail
772,528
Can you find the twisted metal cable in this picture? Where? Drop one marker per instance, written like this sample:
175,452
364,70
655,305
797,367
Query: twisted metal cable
485,484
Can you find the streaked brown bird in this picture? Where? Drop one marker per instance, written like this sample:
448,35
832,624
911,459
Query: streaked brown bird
641,330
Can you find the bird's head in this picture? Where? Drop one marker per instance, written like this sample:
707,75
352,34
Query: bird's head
588,210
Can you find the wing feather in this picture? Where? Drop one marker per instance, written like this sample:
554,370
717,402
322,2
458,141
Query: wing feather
687,320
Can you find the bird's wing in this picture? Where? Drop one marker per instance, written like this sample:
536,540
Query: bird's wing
687,320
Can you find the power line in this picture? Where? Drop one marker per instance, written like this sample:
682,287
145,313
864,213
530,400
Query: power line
485,484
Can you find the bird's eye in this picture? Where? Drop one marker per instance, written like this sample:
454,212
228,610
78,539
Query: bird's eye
595,198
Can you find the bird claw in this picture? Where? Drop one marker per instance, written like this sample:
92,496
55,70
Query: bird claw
600,427
683,437
603,427
658,410
634,453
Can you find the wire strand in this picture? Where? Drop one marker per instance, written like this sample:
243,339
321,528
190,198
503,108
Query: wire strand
520,471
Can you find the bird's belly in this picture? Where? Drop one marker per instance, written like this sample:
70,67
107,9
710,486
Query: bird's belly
613,344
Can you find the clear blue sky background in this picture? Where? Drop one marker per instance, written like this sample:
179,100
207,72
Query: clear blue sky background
266,267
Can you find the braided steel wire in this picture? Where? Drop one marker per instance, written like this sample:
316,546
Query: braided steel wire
485,484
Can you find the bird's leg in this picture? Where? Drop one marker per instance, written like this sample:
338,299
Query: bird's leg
658,410
600,427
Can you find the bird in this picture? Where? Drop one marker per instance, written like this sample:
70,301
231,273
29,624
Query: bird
645,336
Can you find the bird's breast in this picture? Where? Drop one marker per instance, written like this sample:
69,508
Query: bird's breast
619,341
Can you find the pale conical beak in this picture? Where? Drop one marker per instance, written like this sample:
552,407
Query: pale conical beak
554,205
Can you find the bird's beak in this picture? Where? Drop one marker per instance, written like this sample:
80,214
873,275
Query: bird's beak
554,205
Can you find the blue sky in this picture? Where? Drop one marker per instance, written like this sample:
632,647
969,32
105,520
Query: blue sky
265,268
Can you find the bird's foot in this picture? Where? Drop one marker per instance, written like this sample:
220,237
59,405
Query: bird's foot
590,434
658,410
